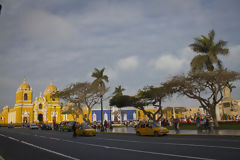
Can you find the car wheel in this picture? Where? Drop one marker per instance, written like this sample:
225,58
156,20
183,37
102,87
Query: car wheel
156,134
138,133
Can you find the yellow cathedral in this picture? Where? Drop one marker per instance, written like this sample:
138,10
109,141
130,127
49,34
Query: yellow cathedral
43,109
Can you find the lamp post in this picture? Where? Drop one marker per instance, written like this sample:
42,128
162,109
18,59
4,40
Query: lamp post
102,128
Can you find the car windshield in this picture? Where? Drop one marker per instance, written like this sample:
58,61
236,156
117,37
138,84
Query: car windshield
155,125
70,122
86,127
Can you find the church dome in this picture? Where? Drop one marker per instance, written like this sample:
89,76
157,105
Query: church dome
51,88
24,85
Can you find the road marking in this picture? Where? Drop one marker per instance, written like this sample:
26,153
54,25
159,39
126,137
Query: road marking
48,150
54,138
1,158
13,139
179,144
3,135
140,151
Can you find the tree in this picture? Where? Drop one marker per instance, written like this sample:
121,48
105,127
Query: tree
147,96
100,77
205,87
81,95
208,52
73,110
100,81
118,90
230,86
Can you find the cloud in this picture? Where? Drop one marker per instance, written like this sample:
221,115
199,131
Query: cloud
167,63
130,63
138,42
111,73
231,61
46,27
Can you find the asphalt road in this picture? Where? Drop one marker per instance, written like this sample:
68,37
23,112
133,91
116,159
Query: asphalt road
23,143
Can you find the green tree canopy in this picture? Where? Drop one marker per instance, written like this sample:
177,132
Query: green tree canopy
118,90
81,95
208,52
205,87
99,76
149,95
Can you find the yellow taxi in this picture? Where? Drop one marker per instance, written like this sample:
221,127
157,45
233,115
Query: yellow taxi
153,129
85,129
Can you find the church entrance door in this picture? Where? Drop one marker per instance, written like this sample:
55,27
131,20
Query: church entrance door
25,120
40,117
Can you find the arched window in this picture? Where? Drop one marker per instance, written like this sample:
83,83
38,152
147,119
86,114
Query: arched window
125,116
25,97
53,99
94,117
139,115
40,106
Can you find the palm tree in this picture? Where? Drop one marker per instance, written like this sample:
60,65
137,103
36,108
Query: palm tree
118,90
100,80
208,51
230,86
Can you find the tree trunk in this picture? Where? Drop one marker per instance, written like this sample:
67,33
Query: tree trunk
213,114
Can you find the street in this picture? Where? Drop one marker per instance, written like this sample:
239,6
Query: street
24,143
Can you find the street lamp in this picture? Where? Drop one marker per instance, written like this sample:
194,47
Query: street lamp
102,128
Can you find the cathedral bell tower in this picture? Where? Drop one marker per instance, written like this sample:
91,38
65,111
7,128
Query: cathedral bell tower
23,104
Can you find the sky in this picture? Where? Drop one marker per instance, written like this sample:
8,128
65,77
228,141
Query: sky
139,42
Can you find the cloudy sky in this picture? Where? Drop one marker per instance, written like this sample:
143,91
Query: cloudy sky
139,42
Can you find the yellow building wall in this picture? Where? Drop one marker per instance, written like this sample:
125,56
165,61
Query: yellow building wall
142,117
79,118
4,116
169,114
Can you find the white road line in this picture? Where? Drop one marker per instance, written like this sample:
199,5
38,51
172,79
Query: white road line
1,158
13,139
139,151
54,138
57,153
54,152
178,144
2,135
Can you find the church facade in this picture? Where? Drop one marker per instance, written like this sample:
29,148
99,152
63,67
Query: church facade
43,109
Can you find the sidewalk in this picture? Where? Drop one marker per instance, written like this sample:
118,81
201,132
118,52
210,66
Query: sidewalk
130,130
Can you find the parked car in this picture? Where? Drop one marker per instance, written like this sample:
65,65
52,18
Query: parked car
33,126
66,125
153,129
46,127
85,130
10,125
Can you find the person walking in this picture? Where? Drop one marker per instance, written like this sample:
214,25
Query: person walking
105,125
74,129
176,124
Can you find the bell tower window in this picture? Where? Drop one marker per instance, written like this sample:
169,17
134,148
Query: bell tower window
40,106
25,97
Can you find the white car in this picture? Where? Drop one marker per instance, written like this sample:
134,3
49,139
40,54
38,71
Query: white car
33,126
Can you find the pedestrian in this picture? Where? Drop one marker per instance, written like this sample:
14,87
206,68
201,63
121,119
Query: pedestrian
207,123
176,124
198,122
74,129
105,125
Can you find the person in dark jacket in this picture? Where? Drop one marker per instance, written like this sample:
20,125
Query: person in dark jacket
74,129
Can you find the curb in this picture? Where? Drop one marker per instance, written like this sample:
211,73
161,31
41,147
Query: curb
214,135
